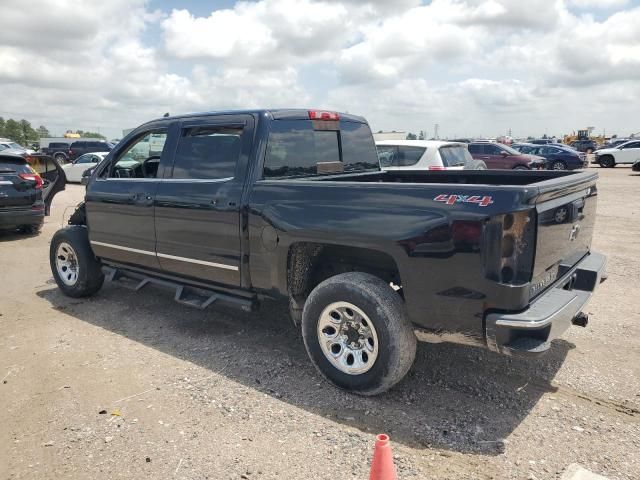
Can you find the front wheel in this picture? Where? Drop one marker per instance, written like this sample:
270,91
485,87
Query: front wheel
60,157
558,165
607,161
357,334
75,268
520,167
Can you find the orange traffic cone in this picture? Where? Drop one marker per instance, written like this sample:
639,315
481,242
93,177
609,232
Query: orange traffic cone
382,467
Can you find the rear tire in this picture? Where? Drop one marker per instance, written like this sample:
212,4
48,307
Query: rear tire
520,167
75,268
357,333
31,229
607,161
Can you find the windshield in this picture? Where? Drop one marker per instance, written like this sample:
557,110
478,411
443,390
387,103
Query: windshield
509,150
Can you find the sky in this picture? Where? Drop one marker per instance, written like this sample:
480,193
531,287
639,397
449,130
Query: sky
474,67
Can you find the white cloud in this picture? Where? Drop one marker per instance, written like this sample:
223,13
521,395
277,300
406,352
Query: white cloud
481,65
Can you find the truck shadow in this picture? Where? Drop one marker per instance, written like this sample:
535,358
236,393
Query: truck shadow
456,398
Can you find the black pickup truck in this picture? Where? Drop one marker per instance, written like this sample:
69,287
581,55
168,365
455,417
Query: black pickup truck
233,207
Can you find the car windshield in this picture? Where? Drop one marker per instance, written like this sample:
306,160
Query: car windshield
14,145
509,150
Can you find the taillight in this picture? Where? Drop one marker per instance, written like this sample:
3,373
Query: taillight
435,167
509,247
322,115
34,177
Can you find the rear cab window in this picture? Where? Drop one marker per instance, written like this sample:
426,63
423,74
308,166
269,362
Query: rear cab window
302,148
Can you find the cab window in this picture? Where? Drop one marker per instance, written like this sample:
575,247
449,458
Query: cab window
141,158
208,153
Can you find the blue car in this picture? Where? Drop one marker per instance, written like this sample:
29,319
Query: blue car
558,157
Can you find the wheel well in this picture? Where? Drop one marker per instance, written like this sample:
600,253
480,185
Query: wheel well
79,216
311,263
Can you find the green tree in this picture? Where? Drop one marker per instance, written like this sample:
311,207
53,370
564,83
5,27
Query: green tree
13,131
91,134
2,123
422,135
411,136
28,133
43,131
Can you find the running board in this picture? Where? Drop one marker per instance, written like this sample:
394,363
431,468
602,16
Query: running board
196,297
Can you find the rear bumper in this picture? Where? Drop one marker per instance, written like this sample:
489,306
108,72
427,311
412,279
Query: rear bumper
16,218
529,333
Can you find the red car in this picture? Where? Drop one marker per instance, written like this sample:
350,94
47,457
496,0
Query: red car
498,156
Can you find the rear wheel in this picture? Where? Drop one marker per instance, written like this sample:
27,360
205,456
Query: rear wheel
31,229
607,161
75,268
558,165
357,334
520,167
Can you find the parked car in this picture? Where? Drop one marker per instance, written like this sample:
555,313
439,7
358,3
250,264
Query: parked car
585,145
425,155
75,169
27,187
364,257
557,157
626,153
58,150
6,144
84,146
498,156
614,143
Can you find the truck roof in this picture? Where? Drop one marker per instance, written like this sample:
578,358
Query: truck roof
273,113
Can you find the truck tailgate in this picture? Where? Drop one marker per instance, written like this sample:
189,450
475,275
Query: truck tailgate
566,211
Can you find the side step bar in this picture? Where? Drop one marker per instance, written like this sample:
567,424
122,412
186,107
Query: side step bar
199,298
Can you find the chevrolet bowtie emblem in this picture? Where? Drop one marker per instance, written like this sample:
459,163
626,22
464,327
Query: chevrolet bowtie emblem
574,232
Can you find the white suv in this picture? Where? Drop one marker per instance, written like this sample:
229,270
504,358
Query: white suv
628,152
425,155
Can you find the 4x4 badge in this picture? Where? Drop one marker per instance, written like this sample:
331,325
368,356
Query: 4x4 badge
452,199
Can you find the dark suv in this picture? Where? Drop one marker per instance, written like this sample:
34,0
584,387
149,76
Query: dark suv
27,187
585,145
87,146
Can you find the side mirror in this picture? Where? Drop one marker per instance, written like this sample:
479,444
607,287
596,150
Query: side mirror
86,176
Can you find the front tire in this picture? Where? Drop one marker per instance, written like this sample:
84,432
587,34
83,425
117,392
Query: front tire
75,268
60,157
357,333
558,165
607,161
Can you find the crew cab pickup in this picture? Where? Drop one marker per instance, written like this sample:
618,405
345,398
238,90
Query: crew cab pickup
234,207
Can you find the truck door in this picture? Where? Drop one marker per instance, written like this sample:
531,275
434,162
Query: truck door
120,200
198,201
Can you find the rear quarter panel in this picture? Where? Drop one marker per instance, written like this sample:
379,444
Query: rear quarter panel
441,274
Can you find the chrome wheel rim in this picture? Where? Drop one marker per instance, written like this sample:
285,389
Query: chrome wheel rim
348,338
561,215
67,264
558,166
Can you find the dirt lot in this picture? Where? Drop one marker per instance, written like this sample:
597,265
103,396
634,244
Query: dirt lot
227,395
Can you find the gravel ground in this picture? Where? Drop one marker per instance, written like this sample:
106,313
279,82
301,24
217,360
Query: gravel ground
133,385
